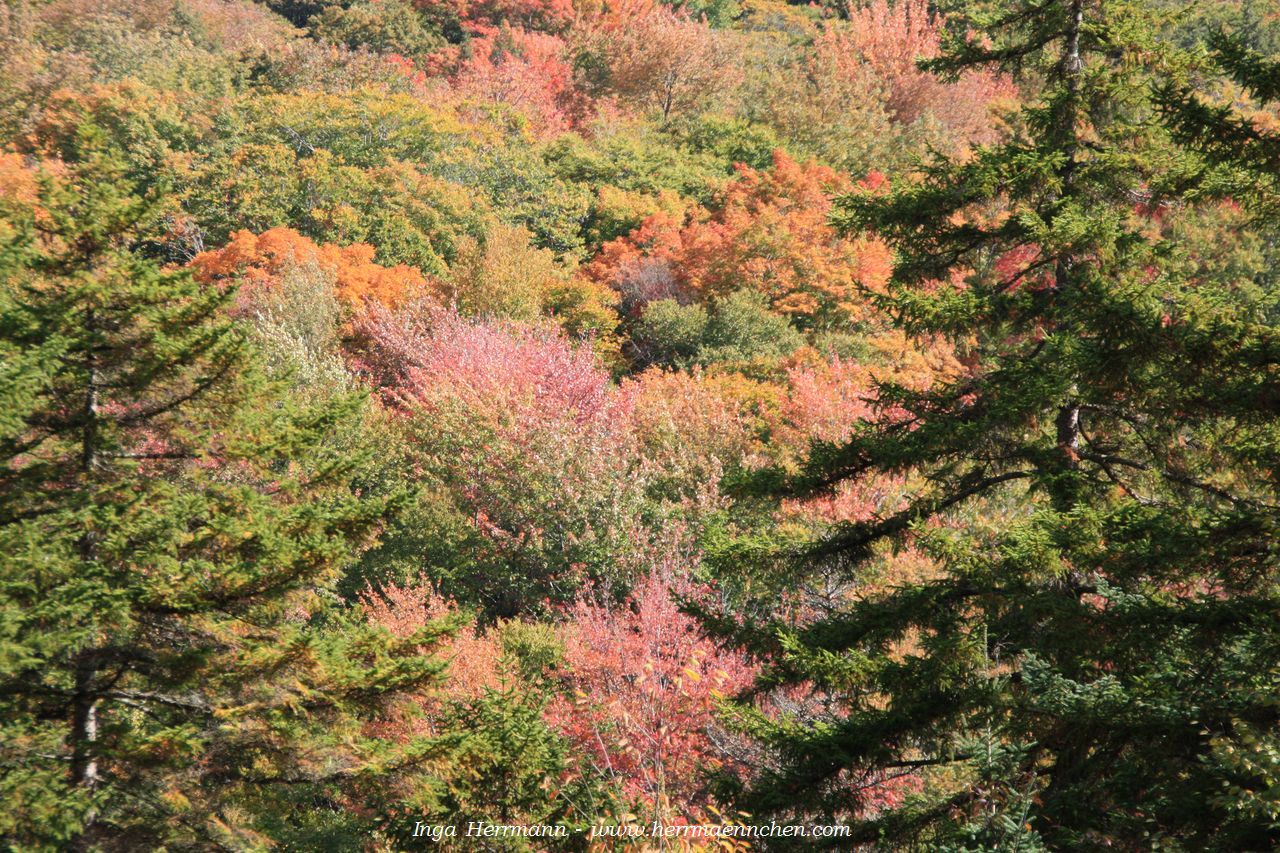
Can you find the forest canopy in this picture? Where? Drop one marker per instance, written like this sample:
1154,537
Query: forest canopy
602,415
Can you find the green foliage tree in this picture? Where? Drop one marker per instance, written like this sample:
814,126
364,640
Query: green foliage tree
638,157
520,771
1239,161
1094,662
738,328
172,660
669,333
299,12
732,140
742,328
525,191
387,26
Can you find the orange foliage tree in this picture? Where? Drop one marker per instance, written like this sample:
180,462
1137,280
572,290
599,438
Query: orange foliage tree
690,432
17,182
769,233
473,658
662,60
258,260
527,70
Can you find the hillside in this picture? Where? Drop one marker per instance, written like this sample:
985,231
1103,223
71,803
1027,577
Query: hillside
581,418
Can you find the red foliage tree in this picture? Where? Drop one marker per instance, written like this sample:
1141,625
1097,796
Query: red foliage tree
18,184
645,681
527,70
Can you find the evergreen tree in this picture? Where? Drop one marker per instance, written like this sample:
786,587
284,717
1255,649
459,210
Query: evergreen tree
1239,161
1096,663
1240,157
171,525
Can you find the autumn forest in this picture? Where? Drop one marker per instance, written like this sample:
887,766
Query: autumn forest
596,416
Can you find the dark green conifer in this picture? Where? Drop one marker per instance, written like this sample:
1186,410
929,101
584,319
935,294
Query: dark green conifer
1096,664
1240,157
171,525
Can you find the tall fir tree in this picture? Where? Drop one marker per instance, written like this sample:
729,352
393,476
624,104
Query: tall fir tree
1095,660
174,669
1237,155
1239,152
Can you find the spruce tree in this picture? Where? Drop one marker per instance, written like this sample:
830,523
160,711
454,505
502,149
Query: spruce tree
1094,660
1239,157
174,669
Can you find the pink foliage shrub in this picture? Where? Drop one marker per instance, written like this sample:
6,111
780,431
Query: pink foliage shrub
529,438
825,402
525,375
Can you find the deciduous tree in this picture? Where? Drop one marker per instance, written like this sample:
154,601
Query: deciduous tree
256,262
531,443
888,40
769,233
645,682
667,62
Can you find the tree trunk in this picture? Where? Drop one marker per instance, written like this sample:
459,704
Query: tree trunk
84,711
